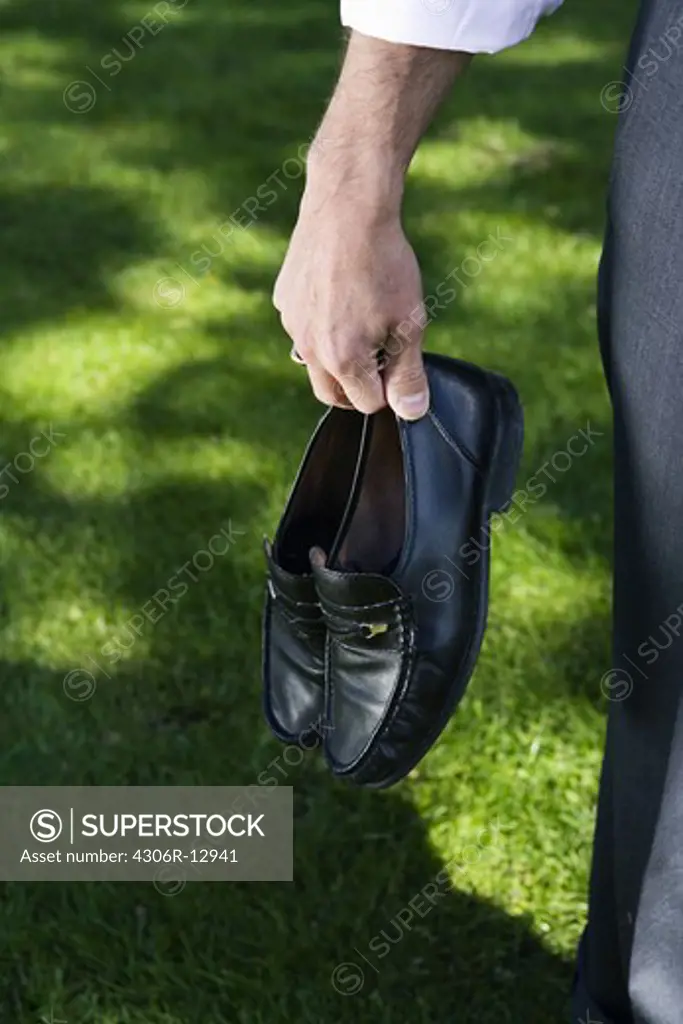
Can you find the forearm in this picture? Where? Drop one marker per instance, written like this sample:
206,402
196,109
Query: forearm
350,279
384,102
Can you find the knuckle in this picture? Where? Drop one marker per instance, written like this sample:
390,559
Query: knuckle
351,387
339,391
348,351
343,363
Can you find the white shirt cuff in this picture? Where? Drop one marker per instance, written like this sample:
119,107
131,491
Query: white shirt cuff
473,26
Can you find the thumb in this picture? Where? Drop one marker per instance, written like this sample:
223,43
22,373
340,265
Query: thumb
406,384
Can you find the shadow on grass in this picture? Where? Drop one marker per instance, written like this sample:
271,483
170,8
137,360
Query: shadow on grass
186,711
342,943
228,94
247,87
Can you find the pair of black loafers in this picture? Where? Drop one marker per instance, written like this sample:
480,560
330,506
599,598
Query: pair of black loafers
376,608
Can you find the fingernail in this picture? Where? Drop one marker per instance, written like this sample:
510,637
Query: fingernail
412,407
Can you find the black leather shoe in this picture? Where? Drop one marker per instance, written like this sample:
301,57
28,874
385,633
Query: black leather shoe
405,597
293,628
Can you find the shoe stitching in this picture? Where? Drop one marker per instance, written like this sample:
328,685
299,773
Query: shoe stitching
352,577
285,598
346,621
461,449
358,649
405,666
395,602
398,698
305,629
275,725
328,697
406,652
289,617
374,756
378,737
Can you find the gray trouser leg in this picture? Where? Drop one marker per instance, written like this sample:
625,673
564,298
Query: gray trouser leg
631,959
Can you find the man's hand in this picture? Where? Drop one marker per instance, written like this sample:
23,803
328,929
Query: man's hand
349,281
350,284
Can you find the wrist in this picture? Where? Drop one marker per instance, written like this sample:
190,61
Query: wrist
346,169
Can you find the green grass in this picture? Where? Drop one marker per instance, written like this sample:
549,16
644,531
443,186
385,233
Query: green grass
181,417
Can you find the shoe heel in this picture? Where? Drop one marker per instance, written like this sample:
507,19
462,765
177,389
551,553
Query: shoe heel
508,446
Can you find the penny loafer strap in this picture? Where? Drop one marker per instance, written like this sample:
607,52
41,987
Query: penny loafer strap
387,625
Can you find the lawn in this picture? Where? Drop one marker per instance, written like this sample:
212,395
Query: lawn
176,413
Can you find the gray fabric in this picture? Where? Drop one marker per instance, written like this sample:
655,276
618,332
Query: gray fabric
631,960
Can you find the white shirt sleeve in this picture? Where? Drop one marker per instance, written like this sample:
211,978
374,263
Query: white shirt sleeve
474,26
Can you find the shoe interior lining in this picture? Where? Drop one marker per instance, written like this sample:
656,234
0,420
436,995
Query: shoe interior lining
374,537
318,506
